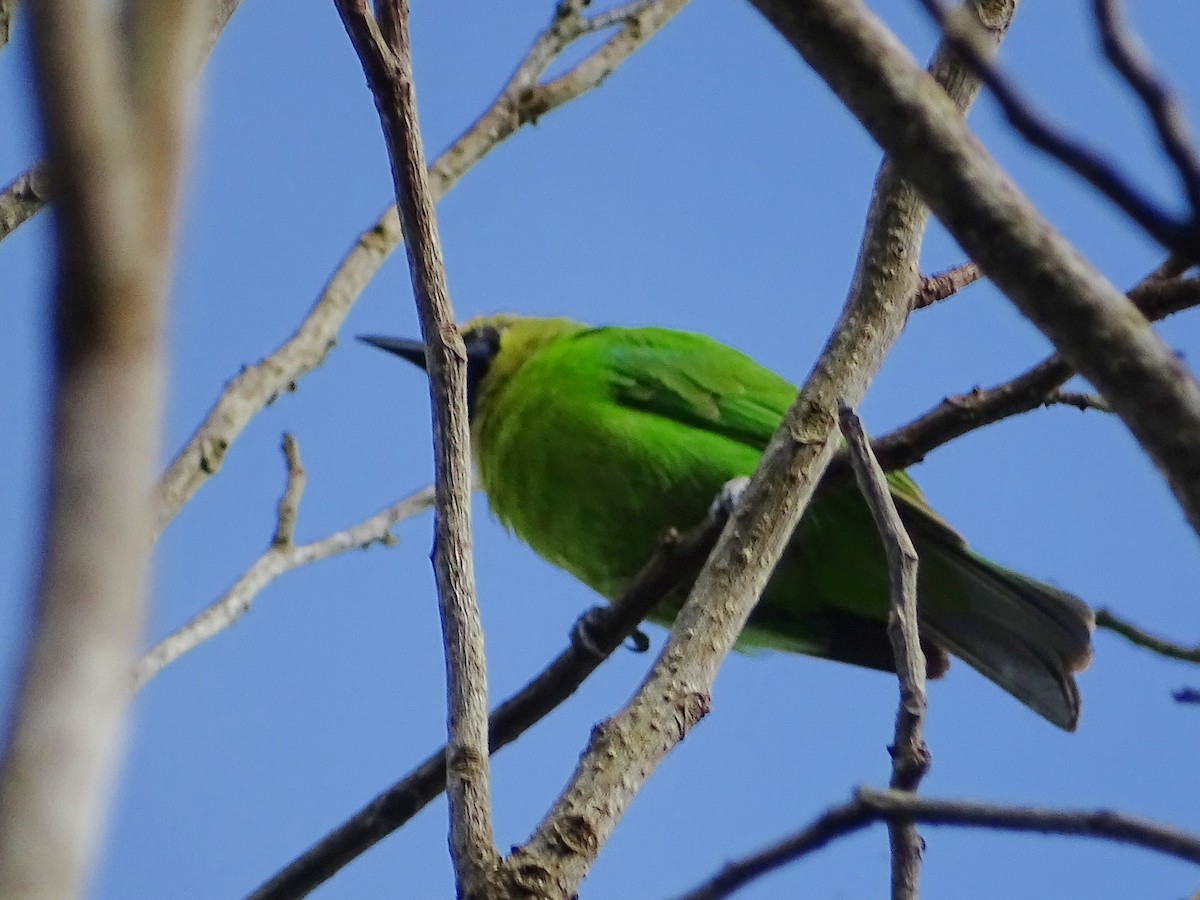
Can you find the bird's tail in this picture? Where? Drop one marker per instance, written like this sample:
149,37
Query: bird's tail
1028,637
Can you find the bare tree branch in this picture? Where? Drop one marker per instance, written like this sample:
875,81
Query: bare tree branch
868,806
97,101
521,101
27,194
1106,618
385,53
1178,235
283,555
676,562
1120,47
938,287
910,757
1091,323
959,415
624,750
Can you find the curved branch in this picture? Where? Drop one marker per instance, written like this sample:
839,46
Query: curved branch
1180,236
1106,618
910,756
869,806
1165,112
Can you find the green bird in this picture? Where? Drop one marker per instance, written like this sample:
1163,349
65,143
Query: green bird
591,442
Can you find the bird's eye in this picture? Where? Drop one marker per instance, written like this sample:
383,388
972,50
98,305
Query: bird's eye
482,346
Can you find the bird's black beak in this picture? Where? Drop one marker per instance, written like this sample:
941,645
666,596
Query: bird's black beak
413,351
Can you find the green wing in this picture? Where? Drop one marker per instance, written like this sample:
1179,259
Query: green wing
696,382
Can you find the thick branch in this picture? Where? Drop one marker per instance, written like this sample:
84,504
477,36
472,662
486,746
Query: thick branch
1100,332
521,102
114,230
385,53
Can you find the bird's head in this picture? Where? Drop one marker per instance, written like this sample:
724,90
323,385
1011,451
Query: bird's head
497,346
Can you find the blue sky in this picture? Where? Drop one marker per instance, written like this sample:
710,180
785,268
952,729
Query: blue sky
712,184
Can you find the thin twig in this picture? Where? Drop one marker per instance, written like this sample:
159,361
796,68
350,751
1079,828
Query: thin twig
1106,618
959,415
282,556
868,806
1170,124
910,757
1080,400
384,49
938,287
1179,235
521,102
675,563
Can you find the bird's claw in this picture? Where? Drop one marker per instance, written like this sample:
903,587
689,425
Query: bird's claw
591,631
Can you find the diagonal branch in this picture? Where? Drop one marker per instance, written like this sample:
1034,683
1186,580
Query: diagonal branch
959,415
385,52
941,285
625,750
1106,618
520,103
676,562
1180,236
1120,48
1092,324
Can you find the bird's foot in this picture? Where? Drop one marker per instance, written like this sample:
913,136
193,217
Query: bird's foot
591,632
731,492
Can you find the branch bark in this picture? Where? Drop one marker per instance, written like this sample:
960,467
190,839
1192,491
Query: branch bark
384,50
27,194
624,750
98,97
1091,324
910,757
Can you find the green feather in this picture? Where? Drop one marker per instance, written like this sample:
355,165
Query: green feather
591,442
